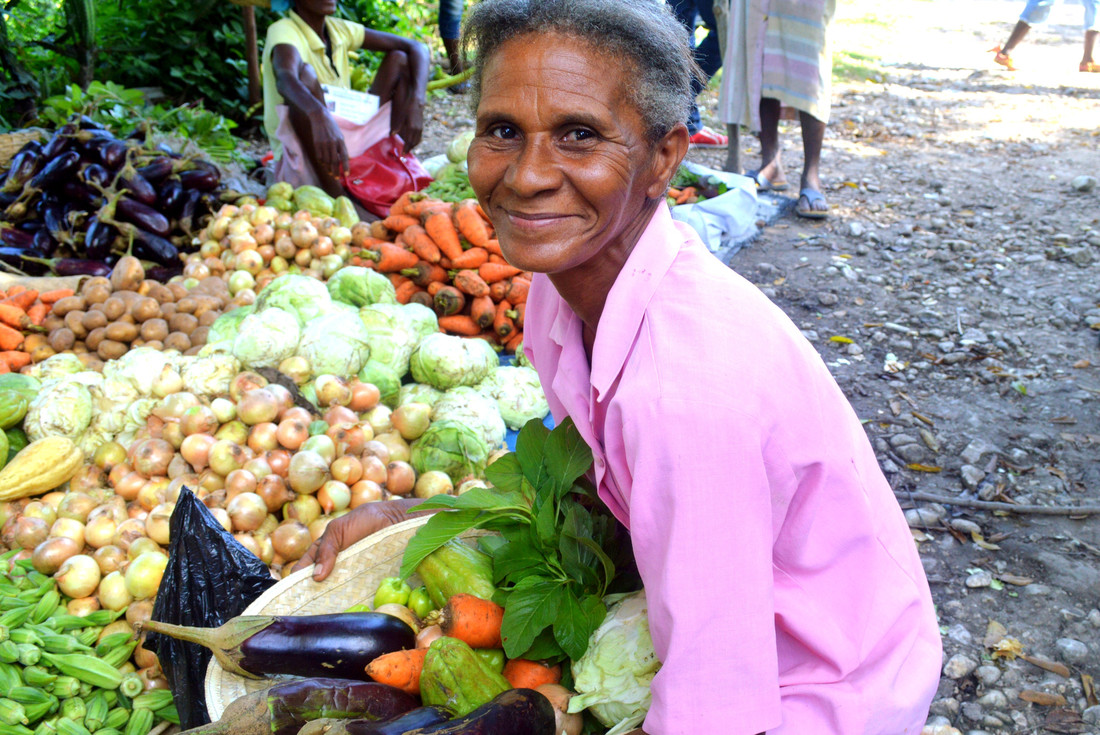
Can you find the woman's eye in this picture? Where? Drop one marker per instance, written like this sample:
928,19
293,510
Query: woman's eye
579,134
503,131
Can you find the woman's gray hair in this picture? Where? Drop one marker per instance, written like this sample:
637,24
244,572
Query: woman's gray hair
644,32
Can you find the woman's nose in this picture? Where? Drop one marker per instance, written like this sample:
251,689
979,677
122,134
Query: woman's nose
534,169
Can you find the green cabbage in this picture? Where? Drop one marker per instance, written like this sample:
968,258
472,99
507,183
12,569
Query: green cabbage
210,375
612,678
466,406
57,366
418,393
139,368
24,385
304,297
445,361
63,407
336,343
225,326
424,320
383,377
267,338
518,394
392,338
451,447
360,286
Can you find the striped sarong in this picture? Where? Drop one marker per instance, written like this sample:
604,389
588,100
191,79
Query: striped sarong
776,49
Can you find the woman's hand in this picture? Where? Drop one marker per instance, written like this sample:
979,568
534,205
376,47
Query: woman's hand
330,154
349,528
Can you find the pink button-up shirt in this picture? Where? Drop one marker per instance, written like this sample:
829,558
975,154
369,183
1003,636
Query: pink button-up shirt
785,591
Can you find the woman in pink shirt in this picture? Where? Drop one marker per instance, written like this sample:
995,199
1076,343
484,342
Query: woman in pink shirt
756,508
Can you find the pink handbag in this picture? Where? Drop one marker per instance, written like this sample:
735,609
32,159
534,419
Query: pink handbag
382,173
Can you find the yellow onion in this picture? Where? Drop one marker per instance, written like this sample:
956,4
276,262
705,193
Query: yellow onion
144,573
78,576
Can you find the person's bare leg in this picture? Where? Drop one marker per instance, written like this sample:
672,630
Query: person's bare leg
1018,34
1090,46
771,167
733,150
813,135
454,56
302,126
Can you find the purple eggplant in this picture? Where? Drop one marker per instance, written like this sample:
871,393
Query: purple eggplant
58,143
56,171
78,193
85,123
24,166
138,186
157,170
98,239
189,211
514,712
44,242
17,258
170,197
307,645
95,174
71,266
14,238
112,154
30,145
200,179
143,216
163,273
148,246
411,721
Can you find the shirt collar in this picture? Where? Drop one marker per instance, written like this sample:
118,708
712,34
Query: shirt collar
629,297
315,42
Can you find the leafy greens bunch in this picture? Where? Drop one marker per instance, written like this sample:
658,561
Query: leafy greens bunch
554,559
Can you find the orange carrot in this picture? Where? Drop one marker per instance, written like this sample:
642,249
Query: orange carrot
397,279
392,258
399,669
15,289
470,283
482,310
399,222
521,310
38,312
514,339
472,620
52,297
434,286
459,324
424,273
470,223
448,301
502,320
493,246
13,316
517,291
10,339
23,299
685,195
423,207
405,291
443,232
471,258
480,211
524,673
421,297
493,272
403,201
15,359
421,243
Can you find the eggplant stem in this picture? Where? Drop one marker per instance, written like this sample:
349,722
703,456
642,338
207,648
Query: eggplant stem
12,269
224,641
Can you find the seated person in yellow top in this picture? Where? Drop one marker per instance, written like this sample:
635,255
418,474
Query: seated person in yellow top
308,48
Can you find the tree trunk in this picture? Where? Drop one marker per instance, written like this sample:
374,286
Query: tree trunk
24,106
80,15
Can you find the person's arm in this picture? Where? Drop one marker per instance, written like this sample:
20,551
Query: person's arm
314,125
407,115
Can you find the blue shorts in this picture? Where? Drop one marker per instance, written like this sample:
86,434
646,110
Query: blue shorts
1037,11
450,18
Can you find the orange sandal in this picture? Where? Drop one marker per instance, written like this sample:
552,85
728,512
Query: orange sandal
1004,59
1090,66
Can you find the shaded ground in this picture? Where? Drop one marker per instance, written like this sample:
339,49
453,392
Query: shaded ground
953,293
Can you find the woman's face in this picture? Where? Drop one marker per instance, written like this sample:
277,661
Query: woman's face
560,162
315,7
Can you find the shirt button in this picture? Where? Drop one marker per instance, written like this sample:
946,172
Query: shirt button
599,462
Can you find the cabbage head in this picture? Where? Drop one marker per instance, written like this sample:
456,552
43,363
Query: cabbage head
518,394
612,678
304,297
63,407
418,393
360,286
466,406
424,320
224,328
139,368
392,338
266,338
336,343
210,375
445,361
382,377
451,447
57,366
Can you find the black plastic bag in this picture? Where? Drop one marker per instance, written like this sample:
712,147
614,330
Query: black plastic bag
209,579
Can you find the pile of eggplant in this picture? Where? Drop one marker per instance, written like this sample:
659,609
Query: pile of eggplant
76,203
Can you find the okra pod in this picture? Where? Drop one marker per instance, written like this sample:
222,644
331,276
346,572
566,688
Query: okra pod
153,699
131,684
96,709
65,686
74,708
38,676
9,652
68,726
86,668
140,722
28,695
9,677
107,731
17,615
25,635
113,641
120,654
12,713
15,730
29,654
169,713
116,718
46,605
87,637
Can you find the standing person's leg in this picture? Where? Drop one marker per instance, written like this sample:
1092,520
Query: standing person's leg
770,174
450,20
811,202
1035,13
685,11
1092,30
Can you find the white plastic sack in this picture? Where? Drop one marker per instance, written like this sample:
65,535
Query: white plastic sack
724,219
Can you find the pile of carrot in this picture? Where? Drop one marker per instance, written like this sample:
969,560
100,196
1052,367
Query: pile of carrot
23,312
443,255
687,195
475,622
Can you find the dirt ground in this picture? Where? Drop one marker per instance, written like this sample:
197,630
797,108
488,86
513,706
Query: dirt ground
953,293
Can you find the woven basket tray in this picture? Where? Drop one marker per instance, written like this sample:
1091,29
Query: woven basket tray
353,581
12,142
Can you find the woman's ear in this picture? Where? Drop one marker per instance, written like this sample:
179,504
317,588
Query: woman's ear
667,154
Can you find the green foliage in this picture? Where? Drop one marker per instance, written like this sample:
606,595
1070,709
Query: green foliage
125,110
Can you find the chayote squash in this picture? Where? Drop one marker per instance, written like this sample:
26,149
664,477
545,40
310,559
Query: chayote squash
345,212
314,200
13,407
16,439
457,678
3,449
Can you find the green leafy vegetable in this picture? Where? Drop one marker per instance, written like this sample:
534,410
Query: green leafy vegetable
555,557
